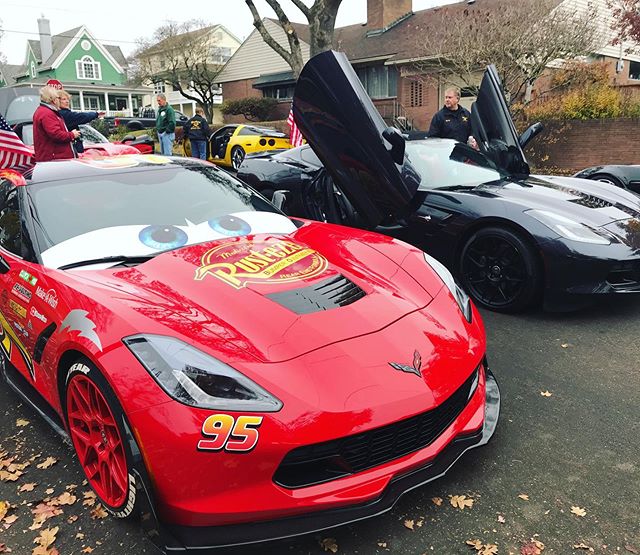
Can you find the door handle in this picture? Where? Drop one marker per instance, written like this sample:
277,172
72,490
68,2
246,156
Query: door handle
4,265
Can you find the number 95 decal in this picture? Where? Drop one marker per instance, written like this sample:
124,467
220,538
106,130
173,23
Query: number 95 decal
226,432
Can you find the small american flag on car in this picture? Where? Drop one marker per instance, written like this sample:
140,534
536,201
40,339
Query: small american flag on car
295,136
13,152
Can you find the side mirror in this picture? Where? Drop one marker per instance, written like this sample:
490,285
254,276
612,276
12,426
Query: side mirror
279,199
128,138
4,265
397,141
530,133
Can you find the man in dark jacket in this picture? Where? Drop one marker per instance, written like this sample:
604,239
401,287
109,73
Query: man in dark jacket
74,119
51,138
165,125
452,121
196,129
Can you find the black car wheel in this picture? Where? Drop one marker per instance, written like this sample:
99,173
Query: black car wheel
237,156
606,178
500,270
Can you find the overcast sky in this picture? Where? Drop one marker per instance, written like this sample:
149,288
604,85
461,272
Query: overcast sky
120,22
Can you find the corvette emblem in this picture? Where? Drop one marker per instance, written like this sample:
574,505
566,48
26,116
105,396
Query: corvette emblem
415,369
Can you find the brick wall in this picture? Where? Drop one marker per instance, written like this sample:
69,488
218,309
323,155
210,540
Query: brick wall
575,144
235,90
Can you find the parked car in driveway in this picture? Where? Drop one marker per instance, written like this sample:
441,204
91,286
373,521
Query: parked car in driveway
146,121
513,239
620,175
229,144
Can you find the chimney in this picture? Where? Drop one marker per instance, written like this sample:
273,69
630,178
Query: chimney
381,13
46,47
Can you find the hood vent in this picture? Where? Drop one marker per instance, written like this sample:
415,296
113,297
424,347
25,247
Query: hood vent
325,295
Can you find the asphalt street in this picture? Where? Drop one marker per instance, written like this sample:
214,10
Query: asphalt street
563,468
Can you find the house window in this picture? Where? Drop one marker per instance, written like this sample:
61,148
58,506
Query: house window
33,69
634,70
75,101
279,92
94,103
87,68
379,81
415,94
158,87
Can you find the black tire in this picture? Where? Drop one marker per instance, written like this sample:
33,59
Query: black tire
499,269
85,372
608,178
237,156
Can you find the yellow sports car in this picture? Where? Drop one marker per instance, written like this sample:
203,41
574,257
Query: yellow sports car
229,144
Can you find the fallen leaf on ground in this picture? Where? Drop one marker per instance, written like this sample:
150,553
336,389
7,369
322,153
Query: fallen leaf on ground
47,463
476,544
382,544
4,508
532,548
501,519
27,487
461,501
89,498
9,476
546,393
72,519
79,536
4,548
47,537
65,499
524,496
22,422
98,512
578,511
329,544
437,501
409,524
566,345
49,491
583,546
9,520
87,550
631,549
488,549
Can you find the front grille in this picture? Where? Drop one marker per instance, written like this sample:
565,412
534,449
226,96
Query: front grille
322,462
325,295
625,278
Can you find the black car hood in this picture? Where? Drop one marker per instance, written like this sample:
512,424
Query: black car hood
590,202
339,121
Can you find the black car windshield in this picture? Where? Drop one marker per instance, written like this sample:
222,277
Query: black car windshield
446,163
144,213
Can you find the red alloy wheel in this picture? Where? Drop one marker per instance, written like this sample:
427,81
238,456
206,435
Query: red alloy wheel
97,441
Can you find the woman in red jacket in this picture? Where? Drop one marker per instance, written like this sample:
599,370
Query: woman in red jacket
51,138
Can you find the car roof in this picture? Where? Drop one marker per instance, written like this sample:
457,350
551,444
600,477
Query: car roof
88,167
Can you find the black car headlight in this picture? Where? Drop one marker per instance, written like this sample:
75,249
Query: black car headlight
463,300
194,378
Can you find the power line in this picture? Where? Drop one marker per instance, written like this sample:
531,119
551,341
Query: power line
66,36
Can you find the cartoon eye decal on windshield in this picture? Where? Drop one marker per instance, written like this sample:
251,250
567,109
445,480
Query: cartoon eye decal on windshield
163,237
231,226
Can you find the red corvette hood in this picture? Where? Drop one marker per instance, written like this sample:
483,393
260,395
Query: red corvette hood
274,297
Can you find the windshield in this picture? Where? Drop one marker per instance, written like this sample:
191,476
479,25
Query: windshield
446,163
91,136
145,212
22,108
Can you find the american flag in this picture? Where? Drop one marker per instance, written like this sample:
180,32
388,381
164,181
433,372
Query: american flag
13,152
295,136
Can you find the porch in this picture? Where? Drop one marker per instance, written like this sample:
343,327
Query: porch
123,104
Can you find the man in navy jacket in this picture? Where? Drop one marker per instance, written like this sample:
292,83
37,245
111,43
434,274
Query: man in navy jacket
74,119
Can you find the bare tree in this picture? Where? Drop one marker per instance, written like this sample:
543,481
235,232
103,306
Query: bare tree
322,21
184,55
520,37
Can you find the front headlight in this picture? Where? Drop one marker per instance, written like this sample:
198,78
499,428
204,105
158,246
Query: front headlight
458,293
197,379
569,229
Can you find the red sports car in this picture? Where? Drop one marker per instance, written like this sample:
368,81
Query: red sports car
234,374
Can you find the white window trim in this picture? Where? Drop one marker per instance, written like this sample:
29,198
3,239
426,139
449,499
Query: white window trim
33,69
80,69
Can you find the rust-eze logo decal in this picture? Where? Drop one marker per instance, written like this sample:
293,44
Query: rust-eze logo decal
262,261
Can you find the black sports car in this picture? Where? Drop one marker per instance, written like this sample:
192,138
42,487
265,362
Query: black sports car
625,176
511,238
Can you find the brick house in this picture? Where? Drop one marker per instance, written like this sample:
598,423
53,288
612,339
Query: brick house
383,51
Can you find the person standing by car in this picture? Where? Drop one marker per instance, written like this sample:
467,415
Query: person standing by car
74,119
51,138
196,129
452,121
165,125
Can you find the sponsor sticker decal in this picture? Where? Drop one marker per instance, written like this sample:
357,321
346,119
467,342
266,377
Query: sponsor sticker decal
236,435
21,292
34,312
48,296
31,280
261,261
18,308
9,340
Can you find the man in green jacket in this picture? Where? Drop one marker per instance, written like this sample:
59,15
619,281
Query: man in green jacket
165,125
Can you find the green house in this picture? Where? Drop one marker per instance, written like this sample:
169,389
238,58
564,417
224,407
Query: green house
95,74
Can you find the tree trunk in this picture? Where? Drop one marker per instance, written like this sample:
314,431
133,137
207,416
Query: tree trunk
322,22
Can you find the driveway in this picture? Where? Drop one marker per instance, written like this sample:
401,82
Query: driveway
563,469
